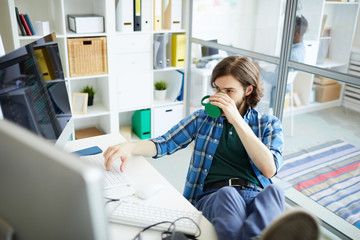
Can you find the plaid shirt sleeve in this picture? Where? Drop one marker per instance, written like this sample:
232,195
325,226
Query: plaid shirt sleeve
268,129
178,137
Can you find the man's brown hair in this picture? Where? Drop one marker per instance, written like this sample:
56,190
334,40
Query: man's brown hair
245,71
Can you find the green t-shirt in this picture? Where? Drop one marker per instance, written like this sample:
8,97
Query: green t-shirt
231,159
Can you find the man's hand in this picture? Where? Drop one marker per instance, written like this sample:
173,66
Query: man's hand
122,151
125,150
227,105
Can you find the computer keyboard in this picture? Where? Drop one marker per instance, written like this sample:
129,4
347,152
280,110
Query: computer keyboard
112,178
142,215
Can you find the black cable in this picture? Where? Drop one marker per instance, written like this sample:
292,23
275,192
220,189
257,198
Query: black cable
197,226
111,200
148,227
170,230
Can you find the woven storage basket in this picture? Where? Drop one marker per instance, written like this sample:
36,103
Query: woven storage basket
87,56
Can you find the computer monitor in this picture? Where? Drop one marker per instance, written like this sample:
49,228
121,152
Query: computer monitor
33,91
208,51
46,193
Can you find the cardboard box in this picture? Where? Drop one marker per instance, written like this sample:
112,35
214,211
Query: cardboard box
323,80
87,132
89,23
325,93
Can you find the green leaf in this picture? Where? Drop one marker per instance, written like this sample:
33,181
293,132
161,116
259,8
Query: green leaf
160,85
89,90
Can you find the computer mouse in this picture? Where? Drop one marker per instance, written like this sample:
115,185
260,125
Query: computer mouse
148,190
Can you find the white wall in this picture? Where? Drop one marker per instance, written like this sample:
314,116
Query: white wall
251,25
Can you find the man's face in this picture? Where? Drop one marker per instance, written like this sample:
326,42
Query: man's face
232,87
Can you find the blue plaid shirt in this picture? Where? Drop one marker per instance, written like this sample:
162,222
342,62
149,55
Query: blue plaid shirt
206,131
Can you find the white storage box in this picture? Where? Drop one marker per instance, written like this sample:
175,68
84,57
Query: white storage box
89,23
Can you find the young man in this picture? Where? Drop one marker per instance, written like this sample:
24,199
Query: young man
297,54
235,155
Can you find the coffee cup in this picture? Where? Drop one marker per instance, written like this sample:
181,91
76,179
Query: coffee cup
211,110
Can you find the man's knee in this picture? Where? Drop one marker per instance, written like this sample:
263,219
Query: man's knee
275,189
276,193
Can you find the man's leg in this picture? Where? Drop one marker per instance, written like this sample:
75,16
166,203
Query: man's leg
266,206
226,210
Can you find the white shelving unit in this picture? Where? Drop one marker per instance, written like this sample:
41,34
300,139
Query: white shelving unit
128,85
132,67
342,18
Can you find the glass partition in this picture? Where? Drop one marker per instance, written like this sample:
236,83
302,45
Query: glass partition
252,25
204,59
330,34
312,84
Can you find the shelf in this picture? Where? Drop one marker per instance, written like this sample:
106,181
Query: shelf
134,108
312,107
331,64
166,102
71,34
33,37
340,3
93,111
86,77
169,69
170,31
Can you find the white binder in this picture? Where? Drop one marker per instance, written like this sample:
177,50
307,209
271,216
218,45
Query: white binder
160,41
146,15
173,14
158,15
125,16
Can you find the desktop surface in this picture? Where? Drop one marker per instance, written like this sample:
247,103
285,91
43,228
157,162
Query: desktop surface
141,173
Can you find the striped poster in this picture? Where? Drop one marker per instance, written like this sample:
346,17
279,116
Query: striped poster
329,174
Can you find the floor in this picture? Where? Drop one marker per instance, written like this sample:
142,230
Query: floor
310,129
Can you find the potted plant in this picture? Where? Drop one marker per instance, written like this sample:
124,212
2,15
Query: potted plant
91,93
160,89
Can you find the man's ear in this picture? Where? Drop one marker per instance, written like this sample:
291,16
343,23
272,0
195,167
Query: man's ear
249,90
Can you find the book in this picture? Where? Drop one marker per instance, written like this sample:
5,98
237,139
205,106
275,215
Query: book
27,18
21,27
26,27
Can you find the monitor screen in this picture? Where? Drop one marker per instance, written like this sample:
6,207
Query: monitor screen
46,193
33,91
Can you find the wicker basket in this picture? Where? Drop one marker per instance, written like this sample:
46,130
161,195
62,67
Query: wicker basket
87,56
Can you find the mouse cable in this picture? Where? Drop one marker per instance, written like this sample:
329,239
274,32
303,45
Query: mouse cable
138,236
109,200
187,235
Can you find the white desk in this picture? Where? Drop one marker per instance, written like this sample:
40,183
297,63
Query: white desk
142,172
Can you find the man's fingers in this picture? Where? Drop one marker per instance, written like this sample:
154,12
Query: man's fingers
124,161
110,155
109,162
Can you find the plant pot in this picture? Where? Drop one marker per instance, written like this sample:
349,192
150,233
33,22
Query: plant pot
90,101
160,94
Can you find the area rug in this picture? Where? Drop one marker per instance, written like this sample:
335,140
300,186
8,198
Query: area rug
329,174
